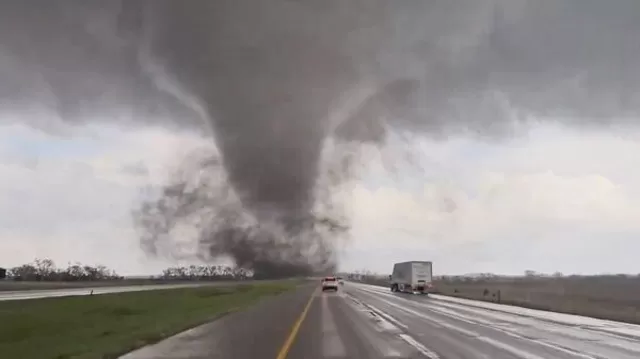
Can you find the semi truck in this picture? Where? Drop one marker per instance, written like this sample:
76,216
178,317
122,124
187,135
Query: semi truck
412,277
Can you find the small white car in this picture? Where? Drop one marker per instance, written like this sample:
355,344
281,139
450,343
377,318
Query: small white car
329,283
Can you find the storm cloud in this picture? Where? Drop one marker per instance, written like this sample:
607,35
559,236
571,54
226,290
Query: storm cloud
285,87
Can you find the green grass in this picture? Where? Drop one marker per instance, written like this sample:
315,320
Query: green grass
105,326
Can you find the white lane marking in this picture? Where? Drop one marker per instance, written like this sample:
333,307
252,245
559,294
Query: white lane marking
486,324
626,330
369,307
506,347
332,345
612,328
388,324
558,332
477,321
379,319
388,317
384,347
421,348
451,341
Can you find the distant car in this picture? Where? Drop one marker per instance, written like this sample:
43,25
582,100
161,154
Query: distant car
340,281
329,283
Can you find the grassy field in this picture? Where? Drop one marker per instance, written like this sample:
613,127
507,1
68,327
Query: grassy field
604,297
105,326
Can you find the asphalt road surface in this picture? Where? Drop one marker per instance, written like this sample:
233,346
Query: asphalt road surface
362,322
46,293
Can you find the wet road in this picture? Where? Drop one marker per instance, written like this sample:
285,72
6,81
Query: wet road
361,321
460,329
67,292
256,333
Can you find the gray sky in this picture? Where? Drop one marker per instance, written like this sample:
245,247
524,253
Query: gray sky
523,115
555,200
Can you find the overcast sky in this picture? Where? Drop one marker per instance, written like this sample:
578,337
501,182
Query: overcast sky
556,199
524,113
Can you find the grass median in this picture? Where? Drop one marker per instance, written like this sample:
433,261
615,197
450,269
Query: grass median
105,326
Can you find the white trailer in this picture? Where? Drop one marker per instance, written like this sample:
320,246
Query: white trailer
412,277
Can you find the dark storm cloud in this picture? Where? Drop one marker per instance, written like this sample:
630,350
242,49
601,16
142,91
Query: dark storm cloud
274,79
78,59
573,57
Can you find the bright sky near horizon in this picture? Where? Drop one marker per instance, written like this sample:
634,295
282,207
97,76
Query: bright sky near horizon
100,100
553,200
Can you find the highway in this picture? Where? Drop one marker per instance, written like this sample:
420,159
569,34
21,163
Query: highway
367,322
47,293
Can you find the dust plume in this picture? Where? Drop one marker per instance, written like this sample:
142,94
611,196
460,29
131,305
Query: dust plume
290,91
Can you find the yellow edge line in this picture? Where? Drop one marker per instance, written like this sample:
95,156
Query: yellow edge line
284,350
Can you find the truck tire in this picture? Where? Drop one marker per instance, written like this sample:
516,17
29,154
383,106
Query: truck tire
394,288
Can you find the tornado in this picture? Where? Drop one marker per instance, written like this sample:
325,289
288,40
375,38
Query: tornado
288,91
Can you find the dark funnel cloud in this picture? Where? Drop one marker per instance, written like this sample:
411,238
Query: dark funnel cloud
289,90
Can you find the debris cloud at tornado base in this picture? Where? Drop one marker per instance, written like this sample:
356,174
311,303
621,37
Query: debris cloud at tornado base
291,91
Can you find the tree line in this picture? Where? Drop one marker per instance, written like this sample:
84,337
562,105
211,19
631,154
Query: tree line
44,269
